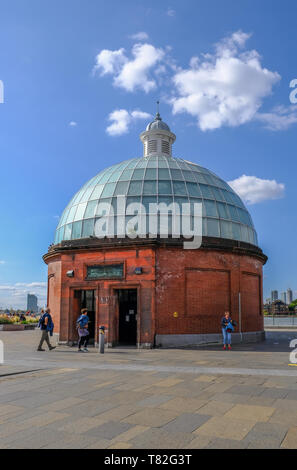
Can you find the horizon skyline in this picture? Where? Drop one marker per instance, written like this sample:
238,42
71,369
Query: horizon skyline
73,104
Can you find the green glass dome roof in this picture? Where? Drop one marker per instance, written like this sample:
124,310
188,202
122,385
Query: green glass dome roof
159,179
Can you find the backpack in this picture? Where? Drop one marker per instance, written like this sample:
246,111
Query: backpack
41,321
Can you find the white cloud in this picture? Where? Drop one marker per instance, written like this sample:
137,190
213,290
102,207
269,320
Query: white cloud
280,118
140,115
2,261
254,190
109,61
225,88
31,285
134,73
171,12
121,119
15,295
72,124
141,36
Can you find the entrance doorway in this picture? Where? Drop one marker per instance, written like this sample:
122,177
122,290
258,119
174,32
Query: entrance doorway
86,299
127,316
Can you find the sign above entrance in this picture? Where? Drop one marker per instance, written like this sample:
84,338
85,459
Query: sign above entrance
105,271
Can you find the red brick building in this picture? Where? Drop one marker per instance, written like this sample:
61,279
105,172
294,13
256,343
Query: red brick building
149,290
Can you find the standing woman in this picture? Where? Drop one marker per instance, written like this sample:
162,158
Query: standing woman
227,328
82,329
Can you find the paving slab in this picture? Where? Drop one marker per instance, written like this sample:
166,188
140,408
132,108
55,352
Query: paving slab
154,399
290,441
266,436
284,417
130,434
227,428
186,422
159,439
109,430
151,417
215,408
182,405
221,443
250,412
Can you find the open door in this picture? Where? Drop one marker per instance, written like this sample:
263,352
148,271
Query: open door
127,316
87,300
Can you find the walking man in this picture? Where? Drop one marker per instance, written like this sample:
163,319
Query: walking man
46,326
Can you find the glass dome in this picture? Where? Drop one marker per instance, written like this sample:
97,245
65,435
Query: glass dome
157,179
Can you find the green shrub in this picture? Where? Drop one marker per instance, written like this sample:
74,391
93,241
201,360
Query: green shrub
5,321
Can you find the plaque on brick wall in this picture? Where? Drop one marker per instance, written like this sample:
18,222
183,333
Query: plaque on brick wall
105,271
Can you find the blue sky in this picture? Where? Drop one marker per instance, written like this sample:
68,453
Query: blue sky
239,56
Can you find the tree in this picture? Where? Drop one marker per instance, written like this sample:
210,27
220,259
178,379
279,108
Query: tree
293,305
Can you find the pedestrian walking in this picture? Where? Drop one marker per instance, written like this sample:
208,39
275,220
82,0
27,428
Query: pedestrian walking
83,332
227,329
47,326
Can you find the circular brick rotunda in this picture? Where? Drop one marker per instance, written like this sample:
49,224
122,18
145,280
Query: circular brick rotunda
144,285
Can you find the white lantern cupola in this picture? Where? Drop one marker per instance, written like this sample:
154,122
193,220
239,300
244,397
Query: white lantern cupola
157,139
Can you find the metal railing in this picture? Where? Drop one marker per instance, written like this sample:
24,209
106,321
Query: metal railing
280,320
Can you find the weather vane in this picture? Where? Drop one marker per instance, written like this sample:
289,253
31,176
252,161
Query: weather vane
158,110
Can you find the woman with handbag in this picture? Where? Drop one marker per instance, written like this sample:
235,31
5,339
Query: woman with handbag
227,329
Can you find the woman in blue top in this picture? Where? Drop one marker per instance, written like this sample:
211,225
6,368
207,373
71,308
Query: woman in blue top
227,327
82,328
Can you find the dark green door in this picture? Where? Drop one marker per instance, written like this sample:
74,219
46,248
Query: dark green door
127,316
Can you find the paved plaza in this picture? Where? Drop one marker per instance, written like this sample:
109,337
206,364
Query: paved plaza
152,399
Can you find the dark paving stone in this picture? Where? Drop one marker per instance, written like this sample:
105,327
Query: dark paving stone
219,443
246,390
292,395
154,401
157,438
186,422
89,408
109,430
275,393
32,400
266,436
99,394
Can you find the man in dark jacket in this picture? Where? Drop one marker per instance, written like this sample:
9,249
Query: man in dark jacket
46,325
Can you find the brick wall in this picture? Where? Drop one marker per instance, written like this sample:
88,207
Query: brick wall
179,291
200,285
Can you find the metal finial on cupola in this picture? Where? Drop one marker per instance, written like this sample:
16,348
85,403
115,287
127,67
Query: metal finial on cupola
158,117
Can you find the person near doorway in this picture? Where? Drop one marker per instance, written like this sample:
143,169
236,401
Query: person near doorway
46,325
227,328
83,332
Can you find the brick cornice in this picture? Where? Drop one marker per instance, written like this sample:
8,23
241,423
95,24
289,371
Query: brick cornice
208,243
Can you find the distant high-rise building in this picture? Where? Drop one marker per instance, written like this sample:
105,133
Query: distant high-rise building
284,297
289,296
32,303
274,295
